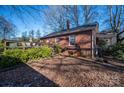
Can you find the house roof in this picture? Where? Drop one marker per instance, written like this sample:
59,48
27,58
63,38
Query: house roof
108,33
78,29
105,31
105,35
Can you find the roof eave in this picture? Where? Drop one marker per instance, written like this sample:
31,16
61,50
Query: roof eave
68,33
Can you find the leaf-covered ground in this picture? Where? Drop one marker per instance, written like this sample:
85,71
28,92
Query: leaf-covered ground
66,72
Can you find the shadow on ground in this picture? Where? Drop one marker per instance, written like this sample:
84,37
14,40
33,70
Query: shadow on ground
22,75
103,64
63,71
78,71
96,65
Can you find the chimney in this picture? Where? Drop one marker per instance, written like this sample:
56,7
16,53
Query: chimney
68,25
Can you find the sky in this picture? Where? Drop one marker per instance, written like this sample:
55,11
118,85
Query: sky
27,22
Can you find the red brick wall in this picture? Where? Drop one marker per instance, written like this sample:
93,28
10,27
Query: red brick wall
63,41
84,39
85,42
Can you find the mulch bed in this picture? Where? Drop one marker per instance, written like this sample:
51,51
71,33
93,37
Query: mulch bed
64,72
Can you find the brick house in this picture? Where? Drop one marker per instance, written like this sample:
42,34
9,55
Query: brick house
84,36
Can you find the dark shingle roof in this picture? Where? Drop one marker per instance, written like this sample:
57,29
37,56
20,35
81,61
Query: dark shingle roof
72,30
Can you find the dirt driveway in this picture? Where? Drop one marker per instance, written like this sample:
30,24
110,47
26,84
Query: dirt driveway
65,71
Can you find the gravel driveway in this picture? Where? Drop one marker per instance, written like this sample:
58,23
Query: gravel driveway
64,71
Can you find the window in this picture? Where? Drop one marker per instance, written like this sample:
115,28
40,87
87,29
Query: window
48,41
57,40
72,40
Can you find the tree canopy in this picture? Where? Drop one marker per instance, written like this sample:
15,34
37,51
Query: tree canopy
55,17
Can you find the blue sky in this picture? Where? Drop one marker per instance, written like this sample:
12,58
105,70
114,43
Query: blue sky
30,23
35,22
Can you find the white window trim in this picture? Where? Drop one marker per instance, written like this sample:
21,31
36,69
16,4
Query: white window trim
55,41
69,39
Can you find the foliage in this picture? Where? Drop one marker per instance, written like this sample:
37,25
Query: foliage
1,44
41,52
7,61
16,53
11,57
32,53
13,53
116,50
1,47
102,43
57,48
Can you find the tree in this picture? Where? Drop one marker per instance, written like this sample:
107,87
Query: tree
7,28
31,36
74,15
55,17
22,11
89,13
25,36
115,19
38,34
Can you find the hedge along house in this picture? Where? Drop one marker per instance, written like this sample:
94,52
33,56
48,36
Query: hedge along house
84,36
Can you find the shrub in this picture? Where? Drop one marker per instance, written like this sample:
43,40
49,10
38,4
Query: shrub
32,53
1,44
1,47
45,51
16,53
6,61
13,53
41,52
116,50
121,55
13,56
57,48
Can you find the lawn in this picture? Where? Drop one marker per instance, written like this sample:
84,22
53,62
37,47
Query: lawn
64,71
